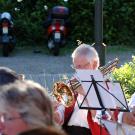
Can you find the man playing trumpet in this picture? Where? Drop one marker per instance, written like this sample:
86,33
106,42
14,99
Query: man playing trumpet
75,120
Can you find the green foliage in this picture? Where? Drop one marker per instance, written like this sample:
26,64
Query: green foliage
118,20
82,13
119,25
126,75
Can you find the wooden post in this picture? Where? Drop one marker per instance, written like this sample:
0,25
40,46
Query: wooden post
99,31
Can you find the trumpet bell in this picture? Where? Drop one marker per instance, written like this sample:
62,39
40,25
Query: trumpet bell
63,94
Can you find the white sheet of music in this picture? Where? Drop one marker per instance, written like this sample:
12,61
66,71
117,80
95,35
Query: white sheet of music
111,93
118,129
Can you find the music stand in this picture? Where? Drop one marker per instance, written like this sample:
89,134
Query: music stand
100,94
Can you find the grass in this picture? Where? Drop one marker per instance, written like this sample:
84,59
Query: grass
109,49
68,49
120,48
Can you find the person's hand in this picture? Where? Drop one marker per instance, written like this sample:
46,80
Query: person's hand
58,112
75,86
129,117
80,90
57,118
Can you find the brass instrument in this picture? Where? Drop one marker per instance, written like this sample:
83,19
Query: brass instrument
65,94
109,67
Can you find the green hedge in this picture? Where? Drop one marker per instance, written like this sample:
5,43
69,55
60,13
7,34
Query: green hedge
119,21
118,18
126,75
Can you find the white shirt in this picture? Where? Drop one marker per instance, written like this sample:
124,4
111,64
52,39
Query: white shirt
79,116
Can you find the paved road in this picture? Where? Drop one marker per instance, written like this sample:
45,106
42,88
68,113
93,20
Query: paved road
28,62
41,64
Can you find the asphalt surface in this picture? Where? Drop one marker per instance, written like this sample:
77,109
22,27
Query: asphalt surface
45,68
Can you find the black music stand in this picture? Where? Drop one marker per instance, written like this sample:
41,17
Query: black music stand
100,94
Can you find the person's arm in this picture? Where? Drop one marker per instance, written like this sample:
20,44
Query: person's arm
128,117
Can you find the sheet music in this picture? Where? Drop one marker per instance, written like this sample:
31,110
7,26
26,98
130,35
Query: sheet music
118,129
111,93
85,74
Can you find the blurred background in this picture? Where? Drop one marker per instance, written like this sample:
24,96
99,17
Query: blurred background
118,17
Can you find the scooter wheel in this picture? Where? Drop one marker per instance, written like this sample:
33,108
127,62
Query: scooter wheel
11,47
5,51
55,50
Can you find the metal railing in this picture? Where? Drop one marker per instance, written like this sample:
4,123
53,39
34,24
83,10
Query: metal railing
47,80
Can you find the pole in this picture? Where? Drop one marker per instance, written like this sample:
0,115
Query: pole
99,46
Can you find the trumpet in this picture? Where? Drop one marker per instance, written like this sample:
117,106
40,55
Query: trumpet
65,94
109,67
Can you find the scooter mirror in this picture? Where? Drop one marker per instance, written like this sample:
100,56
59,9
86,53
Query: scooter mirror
19,0
45,7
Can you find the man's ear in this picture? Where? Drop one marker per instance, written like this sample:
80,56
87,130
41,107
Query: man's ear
95,64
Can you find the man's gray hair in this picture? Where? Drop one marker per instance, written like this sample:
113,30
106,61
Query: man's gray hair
87,51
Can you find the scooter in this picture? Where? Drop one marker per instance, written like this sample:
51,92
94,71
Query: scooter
7,40
57,28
